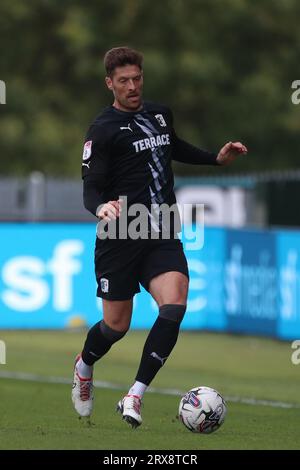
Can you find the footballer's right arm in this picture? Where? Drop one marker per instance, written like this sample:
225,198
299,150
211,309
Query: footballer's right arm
93,198
95,164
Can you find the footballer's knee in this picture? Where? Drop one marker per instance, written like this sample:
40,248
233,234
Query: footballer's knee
173,289
118,324
117,314
112,334
173,312
182,291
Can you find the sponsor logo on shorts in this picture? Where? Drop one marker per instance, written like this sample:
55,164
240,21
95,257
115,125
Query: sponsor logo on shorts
104,284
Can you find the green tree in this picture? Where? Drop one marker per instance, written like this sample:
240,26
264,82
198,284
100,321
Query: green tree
225,69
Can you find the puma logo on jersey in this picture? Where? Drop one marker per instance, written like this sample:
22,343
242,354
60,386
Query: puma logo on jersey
151,142
86,164
161,359
128,127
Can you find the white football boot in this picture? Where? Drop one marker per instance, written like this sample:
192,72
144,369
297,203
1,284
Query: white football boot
130,408
82,393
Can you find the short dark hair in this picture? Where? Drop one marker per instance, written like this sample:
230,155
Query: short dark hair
120,56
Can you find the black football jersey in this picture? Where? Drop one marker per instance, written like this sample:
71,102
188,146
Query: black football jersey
134,152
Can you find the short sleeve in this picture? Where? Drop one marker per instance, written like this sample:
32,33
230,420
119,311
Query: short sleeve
95,152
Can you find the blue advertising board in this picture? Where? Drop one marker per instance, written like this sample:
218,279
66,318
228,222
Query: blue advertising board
47,276
251,302
240,280
205,308
288,254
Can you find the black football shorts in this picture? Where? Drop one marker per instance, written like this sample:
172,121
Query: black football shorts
121,265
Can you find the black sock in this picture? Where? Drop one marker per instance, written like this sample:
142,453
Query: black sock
100,339
160,341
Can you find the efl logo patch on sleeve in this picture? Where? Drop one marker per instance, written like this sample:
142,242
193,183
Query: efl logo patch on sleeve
87,150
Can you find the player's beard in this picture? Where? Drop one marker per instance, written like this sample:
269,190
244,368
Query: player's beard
124,103
133,102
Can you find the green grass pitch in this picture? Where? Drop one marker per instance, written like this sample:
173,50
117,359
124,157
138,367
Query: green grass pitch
39,415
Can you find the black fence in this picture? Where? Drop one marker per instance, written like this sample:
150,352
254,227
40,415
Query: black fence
270,199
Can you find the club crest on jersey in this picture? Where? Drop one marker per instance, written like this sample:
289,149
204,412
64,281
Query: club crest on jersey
161,120
87,150
104,284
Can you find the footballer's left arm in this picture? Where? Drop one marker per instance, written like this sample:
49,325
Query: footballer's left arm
187,153
230,151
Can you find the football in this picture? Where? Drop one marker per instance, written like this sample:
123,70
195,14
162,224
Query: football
202,410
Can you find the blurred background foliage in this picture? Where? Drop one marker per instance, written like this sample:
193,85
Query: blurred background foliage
224,67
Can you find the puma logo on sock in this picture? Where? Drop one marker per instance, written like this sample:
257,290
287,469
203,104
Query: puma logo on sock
161,359
93,354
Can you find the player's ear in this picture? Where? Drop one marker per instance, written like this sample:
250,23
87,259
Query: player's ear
108,82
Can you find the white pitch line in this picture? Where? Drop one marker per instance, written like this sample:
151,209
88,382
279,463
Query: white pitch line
163,391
